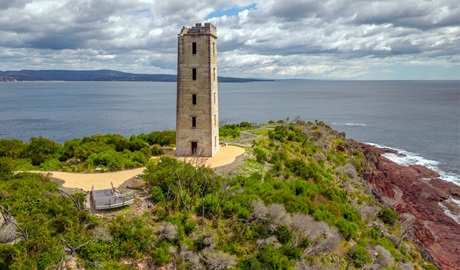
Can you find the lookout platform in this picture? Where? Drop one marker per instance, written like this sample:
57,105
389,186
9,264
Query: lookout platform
110,198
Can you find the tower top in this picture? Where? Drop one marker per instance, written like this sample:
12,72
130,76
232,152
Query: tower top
198,29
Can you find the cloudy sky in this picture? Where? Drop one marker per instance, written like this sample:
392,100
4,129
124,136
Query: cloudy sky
311,39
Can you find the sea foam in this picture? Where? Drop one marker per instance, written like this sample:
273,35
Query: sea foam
350,124
406,158
448,212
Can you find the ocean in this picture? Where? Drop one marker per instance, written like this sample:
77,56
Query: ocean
420,119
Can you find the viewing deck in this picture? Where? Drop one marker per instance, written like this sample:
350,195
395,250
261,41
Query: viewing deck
107,199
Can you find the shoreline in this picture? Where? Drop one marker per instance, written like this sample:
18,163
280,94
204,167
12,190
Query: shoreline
405,158
418,190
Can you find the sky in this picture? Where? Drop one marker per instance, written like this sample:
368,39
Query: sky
276,39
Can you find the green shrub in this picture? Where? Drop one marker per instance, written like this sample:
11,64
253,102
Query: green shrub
388,216
360,256
272,258
41,149
51,165
161,254
346,228
7,255
283,234
231,130
156,150
163,138
245,125
292,252
109,159
261,154
12,148
375,233
211,205
136,143
324,215
6,167
243,213
157,195
189,226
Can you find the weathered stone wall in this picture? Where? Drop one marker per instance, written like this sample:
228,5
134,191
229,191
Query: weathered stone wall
205,111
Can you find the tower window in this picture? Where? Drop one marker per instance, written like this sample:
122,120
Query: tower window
194,74
194,148
194,48
214,74
193,122
214,97
194,99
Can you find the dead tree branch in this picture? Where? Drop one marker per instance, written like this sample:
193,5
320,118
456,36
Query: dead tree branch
72,248
8,219
77,203
58,266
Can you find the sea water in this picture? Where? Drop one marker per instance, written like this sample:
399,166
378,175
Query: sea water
420,119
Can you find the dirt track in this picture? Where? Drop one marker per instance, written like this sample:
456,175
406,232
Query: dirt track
86,181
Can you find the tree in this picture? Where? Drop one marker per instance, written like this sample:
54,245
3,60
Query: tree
259,210
272,258
41,149
217,260
245,125
277,215
136,143
261,154
168,231
6,167
321,236
387,215
408,221
70,148
12,148
384,257
360,256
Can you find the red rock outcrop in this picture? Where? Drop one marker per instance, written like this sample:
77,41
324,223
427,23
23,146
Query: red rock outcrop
407,190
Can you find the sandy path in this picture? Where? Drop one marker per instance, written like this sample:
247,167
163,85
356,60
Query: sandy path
86,181
225,156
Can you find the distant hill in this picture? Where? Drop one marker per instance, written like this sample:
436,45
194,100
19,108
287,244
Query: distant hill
98,75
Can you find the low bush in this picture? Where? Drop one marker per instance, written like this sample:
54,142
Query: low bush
231,130
388,216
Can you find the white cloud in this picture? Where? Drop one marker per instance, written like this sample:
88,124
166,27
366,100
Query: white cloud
272,39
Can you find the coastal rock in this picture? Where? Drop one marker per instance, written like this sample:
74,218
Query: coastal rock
416,190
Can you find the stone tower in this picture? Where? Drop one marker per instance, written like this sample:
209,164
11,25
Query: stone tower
197,114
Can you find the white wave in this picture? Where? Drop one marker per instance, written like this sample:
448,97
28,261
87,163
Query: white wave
455,217
457,202
350,124
406,158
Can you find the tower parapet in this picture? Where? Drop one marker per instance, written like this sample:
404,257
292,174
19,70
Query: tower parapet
199,28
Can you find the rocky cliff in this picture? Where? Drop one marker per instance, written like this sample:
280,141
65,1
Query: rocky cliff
418,191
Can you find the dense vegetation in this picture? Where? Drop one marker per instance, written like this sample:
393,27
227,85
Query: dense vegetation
232,131
106,152
297,202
